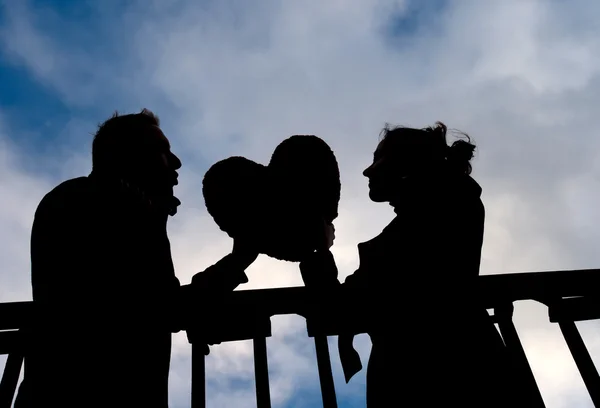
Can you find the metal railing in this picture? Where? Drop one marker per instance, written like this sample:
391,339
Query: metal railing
569,296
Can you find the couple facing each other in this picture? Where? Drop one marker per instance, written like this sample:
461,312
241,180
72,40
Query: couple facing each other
415,288
108,299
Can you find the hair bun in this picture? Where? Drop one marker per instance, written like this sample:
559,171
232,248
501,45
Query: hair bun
459,156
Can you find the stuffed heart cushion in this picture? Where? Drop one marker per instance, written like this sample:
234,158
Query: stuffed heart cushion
282,207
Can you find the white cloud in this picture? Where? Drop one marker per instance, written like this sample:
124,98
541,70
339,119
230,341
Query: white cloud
20,192
233,78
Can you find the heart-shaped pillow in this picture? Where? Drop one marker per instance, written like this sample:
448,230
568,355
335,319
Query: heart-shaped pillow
282,207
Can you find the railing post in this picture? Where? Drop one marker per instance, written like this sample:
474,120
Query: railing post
316,329
198,375
511,339
325,372
582,358
232,325
261,373
563,313
258,327
11,340
10,379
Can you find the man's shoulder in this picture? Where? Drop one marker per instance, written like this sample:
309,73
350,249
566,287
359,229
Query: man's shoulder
68,193
72,185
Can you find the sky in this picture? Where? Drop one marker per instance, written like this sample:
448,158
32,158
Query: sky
232,77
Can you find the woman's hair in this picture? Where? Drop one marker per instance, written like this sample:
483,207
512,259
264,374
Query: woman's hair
430,144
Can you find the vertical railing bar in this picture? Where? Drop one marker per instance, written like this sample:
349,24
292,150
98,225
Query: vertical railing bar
514,346
261,373
10,379
198,375
325,373
582,358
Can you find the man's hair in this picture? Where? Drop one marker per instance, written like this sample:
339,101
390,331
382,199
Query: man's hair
117,138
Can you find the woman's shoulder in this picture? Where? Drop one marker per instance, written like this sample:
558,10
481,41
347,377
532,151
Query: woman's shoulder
462,187
464,197
390,234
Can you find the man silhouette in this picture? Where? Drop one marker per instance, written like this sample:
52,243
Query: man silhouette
103,282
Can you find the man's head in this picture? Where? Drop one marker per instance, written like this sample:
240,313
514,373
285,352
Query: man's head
134,148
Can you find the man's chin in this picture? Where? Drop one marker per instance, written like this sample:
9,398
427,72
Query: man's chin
377,198
175,203
166,200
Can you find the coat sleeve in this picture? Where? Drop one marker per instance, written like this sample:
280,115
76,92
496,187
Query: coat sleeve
319,270
220,278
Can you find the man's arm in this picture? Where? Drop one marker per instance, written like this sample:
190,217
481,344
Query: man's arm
222,277
209,289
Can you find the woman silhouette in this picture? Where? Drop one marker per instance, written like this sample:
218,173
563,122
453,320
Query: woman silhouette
415,288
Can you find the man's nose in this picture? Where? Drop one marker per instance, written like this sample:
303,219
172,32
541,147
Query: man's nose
175,162
367,171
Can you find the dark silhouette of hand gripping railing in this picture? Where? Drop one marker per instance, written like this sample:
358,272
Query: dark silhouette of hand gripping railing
569,296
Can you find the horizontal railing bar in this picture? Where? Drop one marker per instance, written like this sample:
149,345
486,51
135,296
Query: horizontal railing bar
10,341
14,314
575,309
540,286
493,290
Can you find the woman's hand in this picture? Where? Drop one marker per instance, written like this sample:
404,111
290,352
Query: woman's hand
319,270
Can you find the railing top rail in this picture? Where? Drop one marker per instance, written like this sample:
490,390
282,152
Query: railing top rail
493,290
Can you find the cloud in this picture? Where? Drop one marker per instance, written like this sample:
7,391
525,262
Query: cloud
20,192
230,78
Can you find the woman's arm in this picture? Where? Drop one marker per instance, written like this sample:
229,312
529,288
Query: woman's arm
319,270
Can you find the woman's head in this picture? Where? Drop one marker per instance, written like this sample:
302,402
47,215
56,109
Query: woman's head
406,152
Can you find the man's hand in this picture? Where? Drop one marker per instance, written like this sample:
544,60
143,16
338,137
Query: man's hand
244,253
228,273
329,235
220,278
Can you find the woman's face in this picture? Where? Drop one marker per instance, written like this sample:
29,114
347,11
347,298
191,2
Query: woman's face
379,175
386,171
